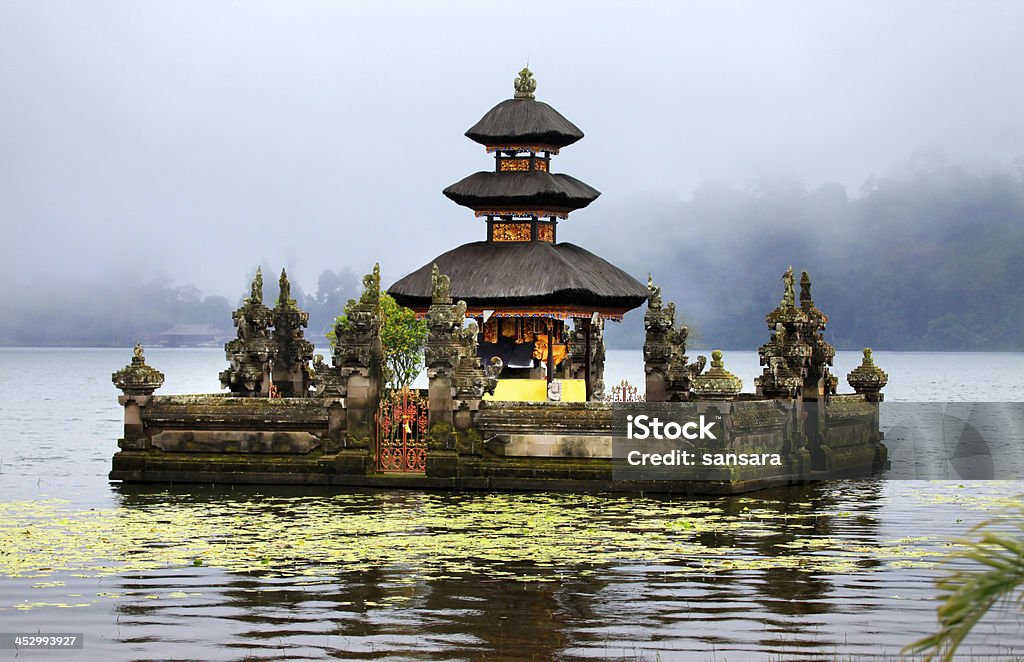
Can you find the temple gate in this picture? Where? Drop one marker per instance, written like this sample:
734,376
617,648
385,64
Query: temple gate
402,433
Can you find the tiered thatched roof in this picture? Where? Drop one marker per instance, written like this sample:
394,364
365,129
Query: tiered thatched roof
524,278
505,276
532,189
524,121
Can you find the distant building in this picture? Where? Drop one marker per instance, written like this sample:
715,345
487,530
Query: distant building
193,335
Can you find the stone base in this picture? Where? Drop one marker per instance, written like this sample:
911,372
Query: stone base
511,446
132,467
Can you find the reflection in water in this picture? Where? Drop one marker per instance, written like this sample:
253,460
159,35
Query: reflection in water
280,572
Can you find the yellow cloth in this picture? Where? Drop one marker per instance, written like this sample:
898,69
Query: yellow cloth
540,349
536,390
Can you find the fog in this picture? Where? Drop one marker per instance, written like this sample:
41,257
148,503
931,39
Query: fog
193,140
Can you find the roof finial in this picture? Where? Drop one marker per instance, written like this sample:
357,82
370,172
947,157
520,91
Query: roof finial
525,84
256,296
285,299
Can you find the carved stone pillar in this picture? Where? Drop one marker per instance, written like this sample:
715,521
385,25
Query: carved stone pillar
819,382
868,379
796,364
659,349
441,354
786,356
358,357
251,354
332,389
470,378
137,382
669,377
598,355
292,351
443,358
577,360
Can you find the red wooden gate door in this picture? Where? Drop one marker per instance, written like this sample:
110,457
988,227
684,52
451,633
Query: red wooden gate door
402,433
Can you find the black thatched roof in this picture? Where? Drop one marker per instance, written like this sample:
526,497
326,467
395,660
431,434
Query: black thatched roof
524,122
534,189
522,274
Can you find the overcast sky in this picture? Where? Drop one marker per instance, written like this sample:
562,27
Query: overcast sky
196,139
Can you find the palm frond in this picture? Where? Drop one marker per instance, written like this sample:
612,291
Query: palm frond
969,593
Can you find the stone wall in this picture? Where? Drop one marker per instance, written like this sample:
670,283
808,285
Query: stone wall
569,445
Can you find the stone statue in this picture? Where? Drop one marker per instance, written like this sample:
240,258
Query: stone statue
469,334
525,84
493,370
697,367
441,286
285,297
789,297
680,335
470,378
805,290
654,294
555,391
256,295
371,287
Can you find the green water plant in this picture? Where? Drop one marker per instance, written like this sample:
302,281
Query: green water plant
994,575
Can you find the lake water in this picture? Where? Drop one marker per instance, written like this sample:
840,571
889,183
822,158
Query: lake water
839,570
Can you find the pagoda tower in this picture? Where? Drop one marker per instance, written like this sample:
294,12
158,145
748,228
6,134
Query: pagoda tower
520,282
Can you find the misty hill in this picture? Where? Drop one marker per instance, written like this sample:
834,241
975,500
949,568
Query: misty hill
928,259
111,314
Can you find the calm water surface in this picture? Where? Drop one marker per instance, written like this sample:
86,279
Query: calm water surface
839,570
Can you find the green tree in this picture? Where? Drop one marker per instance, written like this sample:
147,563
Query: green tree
403,338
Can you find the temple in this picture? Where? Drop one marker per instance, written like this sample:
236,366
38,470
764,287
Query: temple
520,284
515,399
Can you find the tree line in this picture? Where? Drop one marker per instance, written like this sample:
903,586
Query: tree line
91,314
926,259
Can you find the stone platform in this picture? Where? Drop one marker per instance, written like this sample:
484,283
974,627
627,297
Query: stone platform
288,422
511,446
